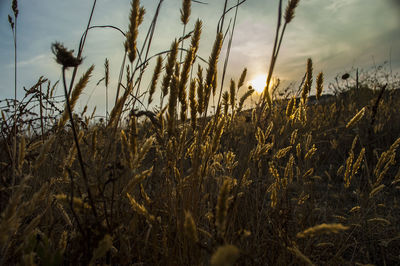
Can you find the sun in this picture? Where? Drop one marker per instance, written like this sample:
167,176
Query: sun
259,83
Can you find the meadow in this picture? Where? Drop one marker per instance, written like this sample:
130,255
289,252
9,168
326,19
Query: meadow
297,179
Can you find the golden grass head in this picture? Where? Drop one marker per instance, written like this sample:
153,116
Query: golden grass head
376,190
200,90
196,35
308,81
356,118
289,12
290,107
320,85
193,103
131,35
185,11
140,209
154,80
222,206
106,72
242,78
244,97
190,227
103,247
322,229
232,93
211,79
169,68
225,255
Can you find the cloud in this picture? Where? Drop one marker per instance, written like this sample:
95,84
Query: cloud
33,61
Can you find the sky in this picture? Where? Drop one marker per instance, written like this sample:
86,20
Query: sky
339,35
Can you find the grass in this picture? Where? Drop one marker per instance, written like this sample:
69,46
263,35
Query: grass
292,181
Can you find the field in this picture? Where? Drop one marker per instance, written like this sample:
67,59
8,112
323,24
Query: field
297,179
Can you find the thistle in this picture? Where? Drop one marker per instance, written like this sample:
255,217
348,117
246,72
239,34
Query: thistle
64,56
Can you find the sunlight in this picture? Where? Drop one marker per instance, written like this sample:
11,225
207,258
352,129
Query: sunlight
259,83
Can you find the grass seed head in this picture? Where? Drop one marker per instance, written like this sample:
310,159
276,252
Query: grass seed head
320,84
131,35
289,12
356,118
225,256
322,229
190,227
185,11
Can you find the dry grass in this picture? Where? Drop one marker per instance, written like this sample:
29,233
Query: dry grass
289,182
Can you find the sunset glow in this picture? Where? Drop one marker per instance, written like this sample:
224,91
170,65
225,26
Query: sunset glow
259,83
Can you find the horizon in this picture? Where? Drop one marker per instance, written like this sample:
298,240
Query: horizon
340,36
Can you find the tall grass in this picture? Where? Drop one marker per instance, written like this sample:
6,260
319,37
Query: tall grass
292,181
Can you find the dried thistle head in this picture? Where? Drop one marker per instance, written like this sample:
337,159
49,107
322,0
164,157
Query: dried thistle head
64,56
289,13
185,11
